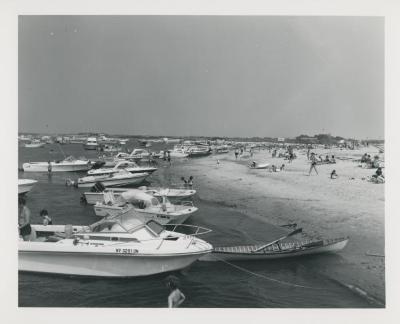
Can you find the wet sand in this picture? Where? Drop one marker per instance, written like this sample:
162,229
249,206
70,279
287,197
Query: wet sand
323,207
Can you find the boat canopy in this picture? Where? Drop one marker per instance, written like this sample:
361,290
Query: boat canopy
136,195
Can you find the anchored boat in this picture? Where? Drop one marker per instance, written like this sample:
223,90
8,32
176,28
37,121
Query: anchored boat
119,247
69,164
120,178
97,194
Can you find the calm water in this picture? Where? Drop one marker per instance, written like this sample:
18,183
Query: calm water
205,284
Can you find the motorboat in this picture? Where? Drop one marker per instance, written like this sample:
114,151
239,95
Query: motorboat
108,148
141,203
69,164
120,247
25,185
34,144
256,165
139,154
96,195
135,155
175,153
91,143
198,151
120,178
130,166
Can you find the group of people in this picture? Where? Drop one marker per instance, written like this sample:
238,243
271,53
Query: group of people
187,183
24,220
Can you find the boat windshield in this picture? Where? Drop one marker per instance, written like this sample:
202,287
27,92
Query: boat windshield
155,227
108,226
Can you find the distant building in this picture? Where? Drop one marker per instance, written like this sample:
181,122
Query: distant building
281,139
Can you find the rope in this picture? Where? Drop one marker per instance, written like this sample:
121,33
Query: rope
265,277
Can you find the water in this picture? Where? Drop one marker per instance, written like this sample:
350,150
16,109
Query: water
205,284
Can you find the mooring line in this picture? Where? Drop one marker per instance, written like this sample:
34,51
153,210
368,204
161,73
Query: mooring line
265,277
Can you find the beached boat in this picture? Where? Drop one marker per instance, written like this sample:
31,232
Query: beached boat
256,165
120,178
129,166
25,185
69,164
198,151
93,197
141,203
277,250
119,247
91,143
176,153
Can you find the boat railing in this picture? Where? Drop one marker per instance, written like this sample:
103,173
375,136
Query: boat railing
195,230
186,203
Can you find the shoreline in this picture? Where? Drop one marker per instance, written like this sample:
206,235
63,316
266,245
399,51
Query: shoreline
325,208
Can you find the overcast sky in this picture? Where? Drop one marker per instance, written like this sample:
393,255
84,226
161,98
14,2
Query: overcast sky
202,75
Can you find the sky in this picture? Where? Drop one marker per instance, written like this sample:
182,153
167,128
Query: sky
235,76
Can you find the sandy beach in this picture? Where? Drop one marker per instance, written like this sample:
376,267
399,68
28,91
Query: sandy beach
323,207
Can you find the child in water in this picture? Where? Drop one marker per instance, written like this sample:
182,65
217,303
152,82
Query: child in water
176,297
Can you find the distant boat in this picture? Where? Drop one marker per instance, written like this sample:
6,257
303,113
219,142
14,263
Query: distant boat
34,144
91,143
67,165
25,185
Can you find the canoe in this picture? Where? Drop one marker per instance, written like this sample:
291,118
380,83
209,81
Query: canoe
276,251
260,166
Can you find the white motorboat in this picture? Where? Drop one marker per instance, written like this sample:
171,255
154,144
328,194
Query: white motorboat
91,143
120,178
67,165
198,151
175,153
130,166
120,247
141,203
135,155
34,144
25,185
93,197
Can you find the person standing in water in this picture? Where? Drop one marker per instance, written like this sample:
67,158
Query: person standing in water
24,221
49,168
176,297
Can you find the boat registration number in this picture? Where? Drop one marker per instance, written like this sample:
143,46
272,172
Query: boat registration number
126,251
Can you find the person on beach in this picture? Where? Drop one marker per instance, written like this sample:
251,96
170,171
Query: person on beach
217,163
333,159
253,164
25,229
46,219
308,153
49,168
236,154
313,164
282,167
176,297
334,174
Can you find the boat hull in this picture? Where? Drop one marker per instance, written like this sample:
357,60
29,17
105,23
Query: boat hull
25,185
242,253
110,264
56,167
113,182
